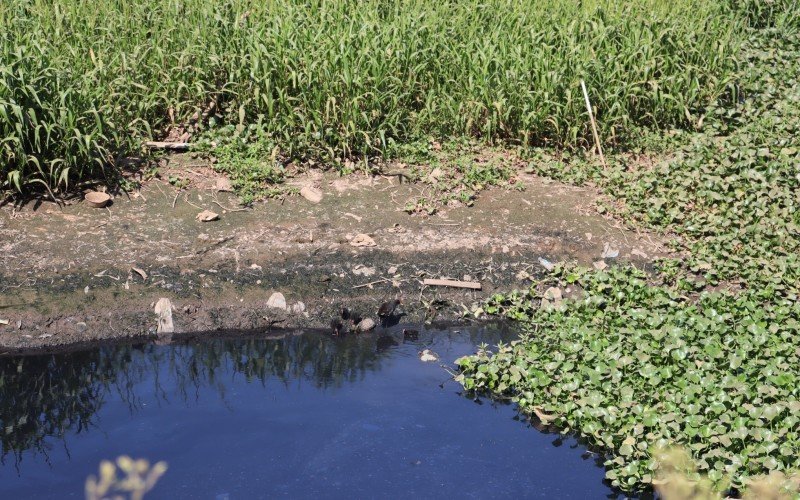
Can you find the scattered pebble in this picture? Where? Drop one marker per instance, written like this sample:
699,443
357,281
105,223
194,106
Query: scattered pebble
361,270
163,310
608,252
312,194
362,240
80,326
600,265
277,301
546,264
365,325
207,216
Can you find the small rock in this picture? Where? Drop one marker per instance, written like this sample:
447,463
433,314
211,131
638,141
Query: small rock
609,253
588,236
224,185
392,270
427,356
434,176
4,321
360,270
362,240
552,298
298,308
86,290
365,325
164,311
277,301
600,265
638,253
80,326
546,264
312,194
255,267
207,216
19,324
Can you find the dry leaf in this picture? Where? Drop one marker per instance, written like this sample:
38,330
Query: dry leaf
140,272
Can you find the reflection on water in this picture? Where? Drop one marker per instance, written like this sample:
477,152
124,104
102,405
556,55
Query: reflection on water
50,395
301,415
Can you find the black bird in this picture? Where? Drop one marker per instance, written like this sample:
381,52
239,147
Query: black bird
386,310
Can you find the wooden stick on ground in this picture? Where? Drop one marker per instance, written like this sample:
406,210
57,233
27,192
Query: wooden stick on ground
455,284
594,124
170,146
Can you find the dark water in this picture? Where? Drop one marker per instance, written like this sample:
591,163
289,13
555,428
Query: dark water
303,416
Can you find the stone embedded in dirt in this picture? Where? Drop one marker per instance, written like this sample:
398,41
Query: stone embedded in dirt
361,270
97,199
427,356
434,176
4,322
365,325
80,326
552,298
298,308
163,310
312,194
638,253
609,253
362,240
207,216
224,185
277,301
546,264
392,270
600,265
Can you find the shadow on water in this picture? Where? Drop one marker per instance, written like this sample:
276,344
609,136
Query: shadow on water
322,395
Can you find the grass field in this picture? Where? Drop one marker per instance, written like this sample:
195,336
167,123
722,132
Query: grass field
82,82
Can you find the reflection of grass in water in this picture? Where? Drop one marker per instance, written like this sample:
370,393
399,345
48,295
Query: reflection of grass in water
50,396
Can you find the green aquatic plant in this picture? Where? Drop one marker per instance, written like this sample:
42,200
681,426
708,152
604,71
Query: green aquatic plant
703,351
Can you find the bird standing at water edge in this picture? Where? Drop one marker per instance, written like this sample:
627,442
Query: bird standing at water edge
387,309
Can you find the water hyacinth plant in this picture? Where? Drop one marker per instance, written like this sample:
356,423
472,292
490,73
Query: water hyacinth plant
704,351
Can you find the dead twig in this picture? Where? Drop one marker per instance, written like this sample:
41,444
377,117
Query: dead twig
594,124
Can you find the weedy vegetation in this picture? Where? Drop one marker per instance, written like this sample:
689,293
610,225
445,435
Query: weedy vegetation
705,351
82,82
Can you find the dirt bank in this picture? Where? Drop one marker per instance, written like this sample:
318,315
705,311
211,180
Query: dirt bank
67,274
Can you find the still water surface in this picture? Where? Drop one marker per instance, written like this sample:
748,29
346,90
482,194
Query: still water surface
301,416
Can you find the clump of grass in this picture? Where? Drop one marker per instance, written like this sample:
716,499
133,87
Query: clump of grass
82,82
250,160
454,173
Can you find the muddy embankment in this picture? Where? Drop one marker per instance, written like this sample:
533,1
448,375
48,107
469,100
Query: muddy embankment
75,274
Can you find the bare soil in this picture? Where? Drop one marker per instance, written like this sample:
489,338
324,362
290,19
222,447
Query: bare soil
67,273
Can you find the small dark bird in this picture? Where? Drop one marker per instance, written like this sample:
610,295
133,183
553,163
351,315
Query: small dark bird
386,310
351,316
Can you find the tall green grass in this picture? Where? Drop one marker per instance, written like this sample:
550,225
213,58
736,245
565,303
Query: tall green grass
82,82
